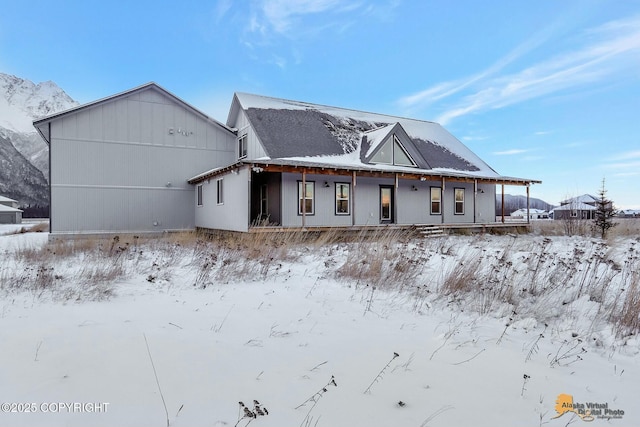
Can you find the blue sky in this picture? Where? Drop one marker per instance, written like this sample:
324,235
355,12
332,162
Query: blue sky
548,90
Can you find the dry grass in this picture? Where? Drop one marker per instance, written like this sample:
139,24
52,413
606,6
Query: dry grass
535,276
625,227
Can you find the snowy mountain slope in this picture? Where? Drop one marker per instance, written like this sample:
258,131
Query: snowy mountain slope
21,102
19,179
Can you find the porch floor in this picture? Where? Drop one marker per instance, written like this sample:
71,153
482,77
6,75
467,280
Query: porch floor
427,229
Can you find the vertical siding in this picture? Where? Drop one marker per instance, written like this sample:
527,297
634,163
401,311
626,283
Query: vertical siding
412,206
233,214
117,167
254,147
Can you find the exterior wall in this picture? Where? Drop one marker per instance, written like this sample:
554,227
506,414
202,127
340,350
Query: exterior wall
254,147
411,206
10,217
123,165
233,213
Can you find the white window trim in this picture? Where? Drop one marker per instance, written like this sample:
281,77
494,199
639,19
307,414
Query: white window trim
455,201
348,199
243,146
301,197
431,201
199,198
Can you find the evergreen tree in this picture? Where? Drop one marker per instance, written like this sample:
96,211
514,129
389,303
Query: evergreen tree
604,214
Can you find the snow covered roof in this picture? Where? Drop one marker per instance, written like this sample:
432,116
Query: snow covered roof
585,198
299,132
577,206
5,208
6,199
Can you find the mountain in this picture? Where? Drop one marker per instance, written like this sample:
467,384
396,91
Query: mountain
515,202
24,156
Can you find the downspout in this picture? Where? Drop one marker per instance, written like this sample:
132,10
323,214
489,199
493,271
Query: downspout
353,199
50,191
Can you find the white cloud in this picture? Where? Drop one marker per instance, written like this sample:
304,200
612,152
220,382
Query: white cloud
627,156
511,152
611,48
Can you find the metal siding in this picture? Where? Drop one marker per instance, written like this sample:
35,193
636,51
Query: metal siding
109,122
324,208
121,185
233,213
450,216
412,207
254,147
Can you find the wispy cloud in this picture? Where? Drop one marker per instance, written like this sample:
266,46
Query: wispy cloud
291,18
629,155
610,48
511,152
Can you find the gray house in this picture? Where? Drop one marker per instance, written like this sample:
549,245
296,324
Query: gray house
144,161
306,165
9,212
121,164
580,207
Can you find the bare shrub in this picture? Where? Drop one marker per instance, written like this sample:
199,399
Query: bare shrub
462,277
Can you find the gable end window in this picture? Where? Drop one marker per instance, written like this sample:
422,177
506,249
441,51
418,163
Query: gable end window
306,198
199,195
220,193
242,146
342,198
393,153
459,201
436,201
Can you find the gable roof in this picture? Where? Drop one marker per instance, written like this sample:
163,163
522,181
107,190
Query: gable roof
42,128
575,206
585,198
6,199
293,131
5,208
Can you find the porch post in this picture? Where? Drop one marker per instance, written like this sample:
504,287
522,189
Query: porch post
503,203
475,198
528,215
395,202
442,202
304,197
353,199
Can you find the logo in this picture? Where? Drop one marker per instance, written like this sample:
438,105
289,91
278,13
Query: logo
588,411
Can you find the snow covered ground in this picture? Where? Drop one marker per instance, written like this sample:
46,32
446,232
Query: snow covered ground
119,354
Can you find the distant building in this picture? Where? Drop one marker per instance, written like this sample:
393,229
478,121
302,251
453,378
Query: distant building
581,207
629,213
9,212
533,214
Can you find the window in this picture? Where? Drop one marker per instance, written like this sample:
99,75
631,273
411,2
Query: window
436,200
393,153
199,195
220,193
386,204
459,201
342,199
242,146
305,198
